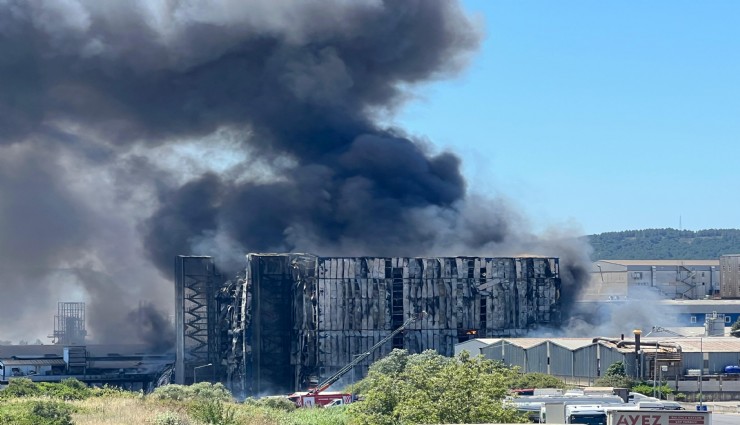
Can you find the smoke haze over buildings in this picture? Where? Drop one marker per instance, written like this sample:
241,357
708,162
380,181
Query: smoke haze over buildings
134,131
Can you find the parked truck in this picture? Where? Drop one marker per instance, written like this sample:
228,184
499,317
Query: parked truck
626,414
573,413
657,417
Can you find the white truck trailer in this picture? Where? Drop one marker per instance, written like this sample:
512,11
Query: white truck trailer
657,417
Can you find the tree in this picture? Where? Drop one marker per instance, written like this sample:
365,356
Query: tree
735,329
648,390
616,377
430,388
536,380
616,369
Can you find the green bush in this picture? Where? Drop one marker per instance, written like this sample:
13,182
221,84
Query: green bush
199,391
20,387
616,369
68,389
172,392
616,376
536,380
208,391
647,389
115,392
277,403
36,413
213,412
615,381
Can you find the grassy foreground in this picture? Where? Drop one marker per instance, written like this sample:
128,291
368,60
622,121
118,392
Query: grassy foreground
126,410
70,402
400,389
123,411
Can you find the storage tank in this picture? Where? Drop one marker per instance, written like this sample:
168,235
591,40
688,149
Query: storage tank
714,324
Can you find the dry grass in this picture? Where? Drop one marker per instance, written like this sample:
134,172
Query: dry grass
145,411
139,411
122,411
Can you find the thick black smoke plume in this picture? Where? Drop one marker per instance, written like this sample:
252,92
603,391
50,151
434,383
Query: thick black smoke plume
134,131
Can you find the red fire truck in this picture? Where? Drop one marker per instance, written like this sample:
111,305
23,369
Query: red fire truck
319,397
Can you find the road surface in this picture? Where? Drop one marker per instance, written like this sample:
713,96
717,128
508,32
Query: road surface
725,419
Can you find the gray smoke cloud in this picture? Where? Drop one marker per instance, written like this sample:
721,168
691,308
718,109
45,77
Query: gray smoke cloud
134,131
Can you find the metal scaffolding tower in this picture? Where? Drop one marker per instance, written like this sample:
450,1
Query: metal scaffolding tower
69,324
196,285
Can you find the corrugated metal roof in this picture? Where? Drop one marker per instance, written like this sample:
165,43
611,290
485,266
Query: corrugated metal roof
489,341
572,343
478,342
688,344
8,351
719,344
524,342
664,262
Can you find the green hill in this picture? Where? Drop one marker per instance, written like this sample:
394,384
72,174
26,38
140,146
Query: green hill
665,244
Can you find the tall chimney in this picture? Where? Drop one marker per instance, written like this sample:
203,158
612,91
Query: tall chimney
637,333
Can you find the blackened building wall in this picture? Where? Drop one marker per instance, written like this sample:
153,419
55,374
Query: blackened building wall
294,319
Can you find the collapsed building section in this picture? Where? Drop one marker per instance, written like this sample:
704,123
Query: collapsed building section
293,319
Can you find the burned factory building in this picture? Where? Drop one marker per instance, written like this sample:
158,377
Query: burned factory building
290,320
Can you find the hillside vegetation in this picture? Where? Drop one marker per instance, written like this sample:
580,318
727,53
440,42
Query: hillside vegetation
665,244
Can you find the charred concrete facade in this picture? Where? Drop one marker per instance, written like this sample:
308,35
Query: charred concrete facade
293,319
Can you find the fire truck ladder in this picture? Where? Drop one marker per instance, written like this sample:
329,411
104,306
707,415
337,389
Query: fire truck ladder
334,378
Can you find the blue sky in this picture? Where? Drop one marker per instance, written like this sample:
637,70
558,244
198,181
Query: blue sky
606,116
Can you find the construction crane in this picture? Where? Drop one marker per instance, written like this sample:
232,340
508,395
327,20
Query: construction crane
334,378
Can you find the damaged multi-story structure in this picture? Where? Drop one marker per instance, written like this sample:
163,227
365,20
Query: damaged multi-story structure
291,320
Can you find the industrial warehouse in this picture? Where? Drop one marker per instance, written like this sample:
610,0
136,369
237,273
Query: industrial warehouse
294,319
689,365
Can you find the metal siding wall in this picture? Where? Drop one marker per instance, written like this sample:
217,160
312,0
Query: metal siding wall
718,361
691,361
511,355
561,361
492,352
537,357
585,362
515,356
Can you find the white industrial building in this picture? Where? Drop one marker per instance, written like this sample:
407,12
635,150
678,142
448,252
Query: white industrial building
669,279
